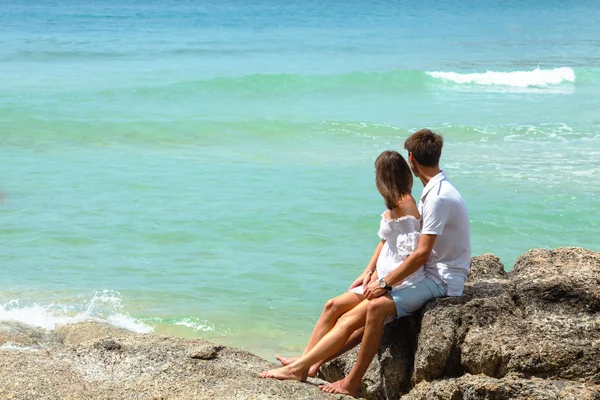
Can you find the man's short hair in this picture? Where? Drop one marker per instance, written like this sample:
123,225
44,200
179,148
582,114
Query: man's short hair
426,147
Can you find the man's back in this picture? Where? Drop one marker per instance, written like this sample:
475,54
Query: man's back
445,214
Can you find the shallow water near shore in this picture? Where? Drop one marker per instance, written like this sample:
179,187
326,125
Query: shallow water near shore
207,170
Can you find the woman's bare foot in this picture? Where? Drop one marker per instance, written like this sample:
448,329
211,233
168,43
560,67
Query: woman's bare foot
341,387
312,372
286,360
285,374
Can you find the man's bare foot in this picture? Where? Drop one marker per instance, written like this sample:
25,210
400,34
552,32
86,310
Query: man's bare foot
341,387
285,374
312,372
286,360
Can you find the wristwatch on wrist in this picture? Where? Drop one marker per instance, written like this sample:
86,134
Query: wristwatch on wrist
383,284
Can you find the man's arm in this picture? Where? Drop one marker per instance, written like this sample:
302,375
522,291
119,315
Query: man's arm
412,263
435,215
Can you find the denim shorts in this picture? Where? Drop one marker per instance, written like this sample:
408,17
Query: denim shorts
410,299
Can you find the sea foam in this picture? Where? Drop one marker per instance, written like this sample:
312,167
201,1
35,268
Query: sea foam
196,324
537,77
104,307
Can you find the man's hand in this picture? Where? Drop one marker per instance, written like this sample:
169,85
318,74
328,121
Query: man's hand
373,291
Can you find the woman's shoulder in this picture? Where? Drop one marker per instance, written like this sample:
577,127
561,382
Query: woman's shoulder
409,207
387,215
400,215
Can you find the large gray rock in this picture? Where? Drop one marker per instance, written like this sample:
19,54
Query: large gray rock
562,281
539,321
126,365
481,387
447,322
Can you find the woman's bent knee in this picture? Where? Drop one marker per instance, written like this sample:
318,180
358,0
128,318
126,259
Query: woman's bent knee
331,307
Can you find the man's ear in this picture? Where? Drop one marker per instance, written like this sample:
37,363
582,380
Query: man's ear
414,165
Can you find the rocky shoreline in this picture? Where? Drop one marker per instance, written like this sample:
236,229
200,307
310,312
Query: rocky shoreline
533,333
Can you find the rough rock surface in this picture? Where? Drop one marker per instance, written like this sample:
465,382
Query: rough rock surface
532,333
96,361
475,387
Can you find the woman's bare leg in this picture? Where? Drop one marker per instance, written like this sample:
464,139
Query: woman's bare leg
330,344
377,311
334,308
351,343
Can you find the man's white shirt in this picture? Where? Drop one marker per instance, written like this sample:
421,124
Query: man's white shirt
444,213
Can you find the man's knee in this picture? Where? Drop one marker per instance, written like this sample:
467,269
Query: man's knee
380,308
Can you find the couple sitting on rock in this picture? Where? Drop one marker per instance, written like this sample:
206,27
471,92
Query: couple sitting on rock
424,253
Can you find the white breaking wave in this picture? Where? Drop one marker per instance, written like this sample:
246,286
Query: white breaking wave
536,78
103,307
196,324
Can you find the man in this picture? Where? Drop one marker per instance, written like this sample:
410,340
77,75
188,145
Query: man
444,249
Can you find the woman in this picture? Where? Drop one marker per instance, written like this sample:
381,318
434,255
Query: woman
340,325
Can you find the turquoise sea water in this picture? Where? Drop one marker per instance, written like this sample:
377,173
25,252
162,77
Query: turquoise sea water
205,169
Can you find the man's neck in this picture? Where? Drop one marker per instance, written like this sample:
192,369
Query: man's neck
427,173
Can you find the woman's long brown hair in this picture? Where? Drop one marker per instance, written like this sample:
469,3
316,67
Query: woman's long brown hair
393,177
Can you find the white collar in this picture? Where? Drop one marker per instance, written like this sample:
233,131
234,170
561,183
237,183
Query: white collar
434,181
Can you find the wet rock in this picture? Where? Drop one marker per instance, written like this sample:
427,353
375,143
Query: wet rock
14,333
84,332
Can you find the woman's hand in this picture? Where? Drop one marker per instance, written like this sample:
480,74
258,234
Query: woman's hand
372,291
367,278
363,279
374,277
371,278
357,282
